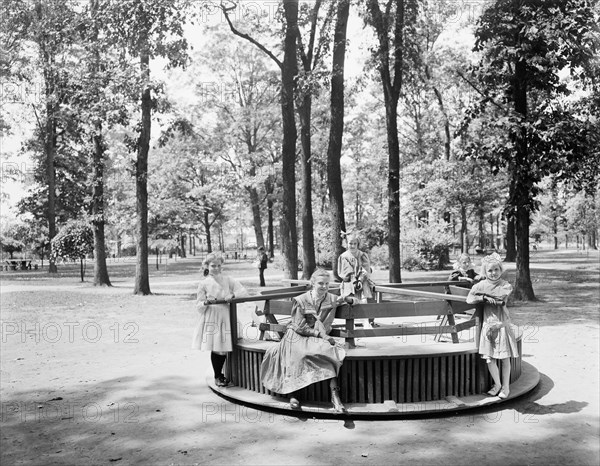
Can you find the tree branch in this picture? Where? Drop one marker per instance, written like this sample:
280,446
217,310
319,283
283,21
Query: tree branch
484,94
226,10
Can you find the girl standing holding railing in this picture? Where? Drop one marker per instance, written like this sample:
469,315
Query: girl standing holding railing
497,340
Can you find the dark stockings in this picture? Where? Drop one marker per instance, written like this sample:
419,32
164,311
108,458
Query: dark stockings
217,360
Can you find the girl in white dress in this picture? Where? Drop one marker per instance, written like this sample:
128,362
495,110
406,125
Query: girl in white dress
497,340
213,331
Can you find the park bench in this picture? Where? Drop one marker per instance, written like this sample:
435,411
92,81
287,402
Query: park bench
18,264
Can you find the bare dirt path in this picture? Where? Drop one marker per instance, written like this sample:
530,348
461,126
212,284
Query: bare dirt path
99,376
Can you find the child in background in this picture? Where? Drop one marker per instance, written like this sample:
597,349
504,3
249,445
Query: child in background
497,336
464,270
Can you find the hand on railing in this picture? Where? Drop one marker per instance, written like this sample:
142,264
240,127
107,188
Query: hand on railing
347,300
210,300
496,301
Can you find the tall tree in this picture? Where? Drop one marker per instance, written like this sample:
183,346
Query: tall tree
524,46
50,26
42,40
389,26
311,59
336,130
289,70
247,122
98,106
147,29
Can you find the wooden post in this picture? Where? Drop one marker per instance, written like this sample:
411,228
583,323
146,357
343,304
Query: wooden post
232,359
452,322
479,323
350,331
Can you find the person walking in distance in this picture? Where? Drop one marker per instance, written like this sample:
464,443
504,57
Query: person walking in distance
262,259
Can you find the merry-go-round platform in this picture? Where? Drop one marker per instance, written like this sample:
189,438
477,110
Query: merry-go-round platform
419,358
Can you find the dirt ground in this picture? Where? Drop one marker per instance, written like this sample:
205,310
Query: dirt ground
100,376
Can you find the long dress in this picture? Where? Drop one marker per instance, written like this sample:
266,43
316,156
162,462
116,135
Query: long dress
497,339
213,330
303,357
358,266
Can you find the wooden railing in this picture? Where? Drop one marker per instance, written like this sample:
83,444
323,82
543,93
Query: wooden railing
444,305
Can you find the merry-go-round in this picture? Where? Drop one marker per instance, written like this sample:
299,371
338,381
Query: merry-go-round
420,358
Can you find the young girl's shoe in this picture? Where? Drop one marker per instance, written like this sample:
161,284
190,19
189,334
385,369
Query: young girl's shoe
504,393
221,381
335,400
494,391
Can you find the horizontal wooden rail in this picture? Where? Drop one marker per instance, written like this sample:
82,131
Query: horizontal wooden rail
279,307
400,330
378,310
279,328
404,330
306,283
247,299
423,284
425,294
282,290
392,309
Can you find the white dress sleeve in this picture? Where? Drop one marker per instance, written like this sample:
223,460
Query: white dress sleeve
237,289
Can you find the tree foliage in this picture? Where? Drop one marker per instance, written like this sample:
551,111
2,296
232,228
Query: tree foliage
74,241
525,45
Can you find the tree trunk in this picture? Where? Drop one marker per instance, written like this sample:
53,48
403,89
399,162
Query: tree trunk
492,235
182,244
554,212
554,226
334,148
523,287
270,232
481,225
100,269
393,190
385,27
98,220
438,95
511,245
521,178
463,229
48,57
81,272
308,238
289,235
256,218
142,282
207,230
50,148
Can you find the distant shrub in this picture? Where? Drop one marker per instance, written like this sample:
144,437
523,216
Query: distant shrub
414,263
432,243
128,251
380,256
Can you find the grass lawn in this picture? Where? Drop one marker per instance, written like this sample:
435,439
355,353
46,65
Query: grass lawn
99,376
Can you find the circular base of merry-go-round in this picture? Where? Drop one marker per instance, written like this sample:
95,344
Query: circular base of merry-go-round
444,382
